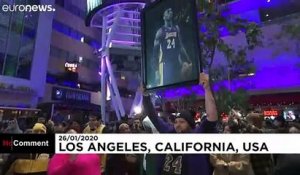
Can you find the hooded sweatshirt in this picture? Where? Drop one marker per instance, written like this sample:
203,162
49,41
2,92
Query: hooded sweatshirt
192,164
84,164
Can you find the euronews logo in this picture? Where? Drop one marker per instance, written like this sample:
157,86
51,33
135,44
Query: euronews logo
28,8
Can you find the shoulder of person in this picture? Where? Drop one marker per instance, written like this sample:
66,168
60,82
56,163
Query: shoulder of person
86,129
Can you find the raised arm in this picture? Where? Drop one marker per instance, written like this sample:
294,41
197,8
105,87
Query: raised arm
149,110
210,104
209,124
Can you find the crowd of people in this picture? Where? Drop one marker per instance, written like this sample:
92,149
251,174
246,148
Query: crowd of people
156,164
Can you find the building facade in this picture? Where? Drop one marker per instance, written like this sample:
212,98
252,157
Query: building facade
43,53
73,66
24,51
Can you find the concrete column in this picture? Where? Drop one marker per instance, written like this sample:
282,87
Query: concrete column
42,51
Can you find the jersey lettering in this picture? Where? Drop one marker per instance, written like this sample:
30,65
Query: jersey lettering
171,35
171,43
173,166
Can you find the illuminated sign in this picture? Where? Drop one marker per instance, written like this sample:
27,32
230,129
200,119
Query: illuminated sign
71,67
63,94
271,113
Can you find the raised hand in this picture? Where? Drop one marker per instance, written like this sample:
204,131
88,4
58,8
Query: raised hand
204,81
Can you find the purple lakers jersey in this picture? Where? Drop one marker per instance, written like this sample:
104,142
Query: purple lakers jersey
170,44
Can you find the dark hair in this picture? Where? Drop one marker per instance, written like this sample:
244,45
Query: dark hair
137,118
233,126
95,116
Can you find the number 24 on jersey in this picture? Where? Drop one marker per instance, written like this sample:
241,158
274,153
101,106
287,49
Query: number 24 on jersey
171,43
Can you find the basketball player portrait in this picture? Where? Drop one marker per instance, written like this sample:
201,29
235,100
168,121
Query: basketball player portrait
170,62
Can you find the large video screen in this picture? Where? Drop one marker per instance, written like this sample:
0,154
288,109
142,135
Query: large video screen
170,44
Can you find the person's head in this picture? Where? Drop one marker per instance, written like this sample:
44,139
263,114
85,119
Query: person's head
41,119
137,123
75,125
59,128
279,122
184,122
71,131
50,124
12,124
293,129
93,122
124,128
39,128
231,127
168,14
255,119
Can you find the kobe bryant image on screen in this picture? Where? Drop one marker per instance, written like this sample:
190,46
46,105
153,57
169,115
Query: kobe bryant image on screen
170,60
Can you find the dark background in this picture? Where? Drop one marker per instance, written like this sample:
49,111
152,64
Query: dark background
185,18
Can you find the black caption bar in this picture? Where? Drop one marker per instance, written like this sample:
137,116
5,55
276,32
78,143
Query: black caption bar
27,143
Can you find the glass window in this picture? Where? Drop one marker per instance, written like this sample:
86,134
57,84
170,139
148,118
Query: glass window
13,44
10,66
3,37
17,18
7,1
2,55
72,57
18,43
27,46
4,16
16,26
31,33
25,57
24,67
31,19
